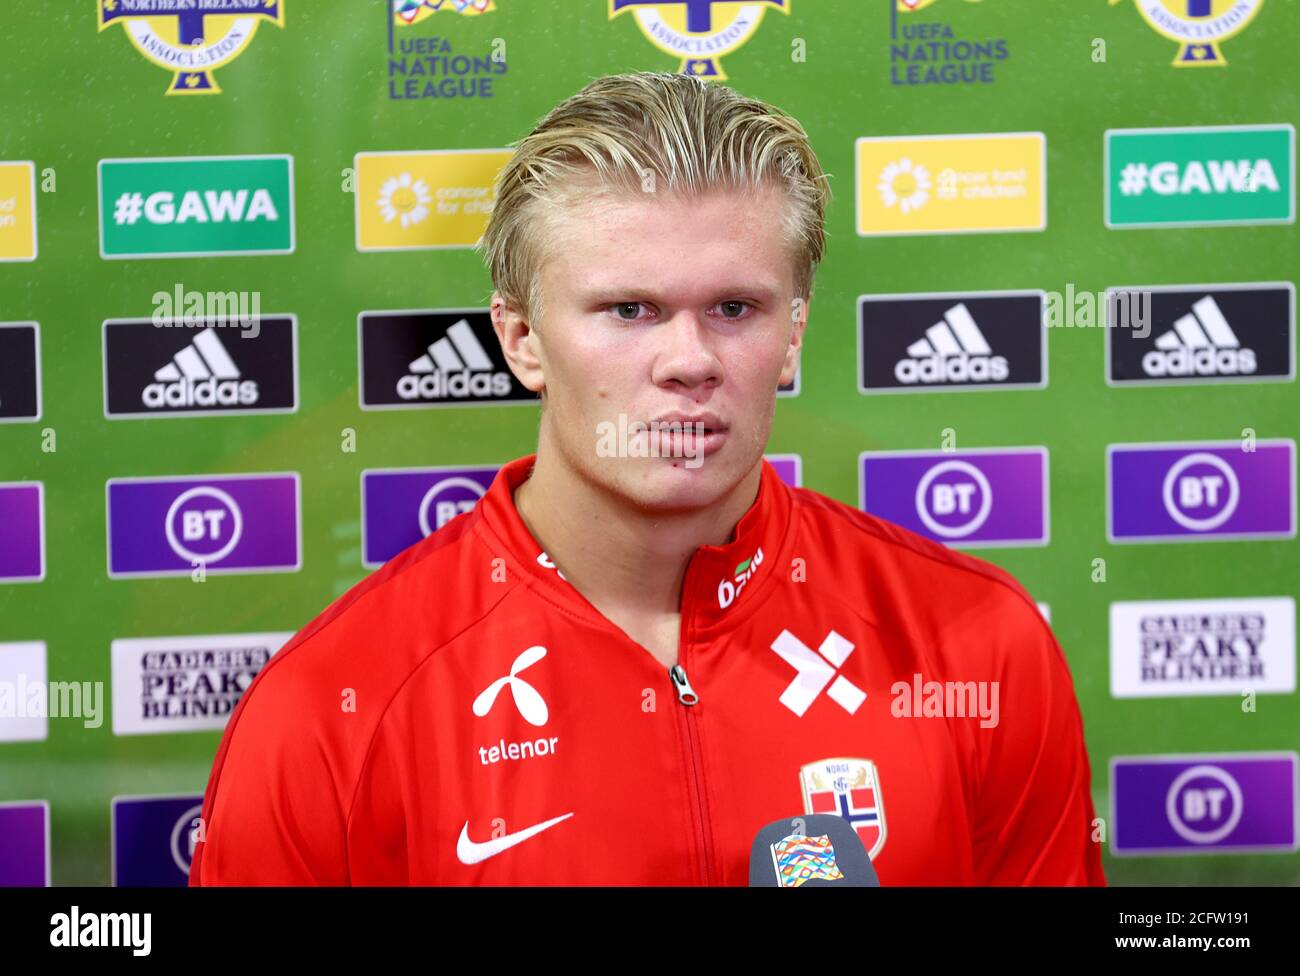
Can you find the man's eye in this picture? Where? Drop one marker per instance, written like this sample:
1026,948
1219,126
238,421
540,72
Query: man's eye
739,306
626,306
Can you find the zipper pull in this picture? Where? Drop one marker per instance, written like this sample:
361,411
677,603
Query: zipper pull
685,693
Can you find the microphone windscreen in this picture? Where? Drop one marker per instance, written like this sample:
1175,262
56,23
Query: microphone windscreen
812,850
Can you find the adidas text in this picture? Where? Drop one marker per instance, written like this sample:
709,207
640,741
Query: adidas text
1199,362
952,369
458,384
202,393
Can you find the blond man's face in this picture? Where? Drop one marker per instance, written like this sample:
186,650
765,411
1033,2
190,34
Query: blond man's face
658,306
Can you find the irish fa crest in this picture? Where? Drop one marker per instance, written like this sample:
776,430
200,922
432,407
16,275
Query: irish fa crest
190,39
1198,26
849,788
687,29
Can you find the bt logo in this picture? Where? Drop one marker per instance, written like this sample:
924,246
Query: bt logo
1201,491
1204,804
203,525
445,500
954,499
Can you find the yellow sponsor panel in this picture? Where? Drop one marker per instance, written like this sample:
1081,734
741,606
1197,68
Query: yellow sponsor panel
954,184
439,198
17,211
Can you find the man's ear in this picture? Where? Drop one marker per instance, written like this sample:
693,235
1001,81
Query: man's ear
799,317
519,342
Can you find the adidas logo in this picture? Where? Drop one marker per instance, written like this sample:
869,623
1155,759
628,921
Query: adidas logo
1201,343
200,375
457,366
954,350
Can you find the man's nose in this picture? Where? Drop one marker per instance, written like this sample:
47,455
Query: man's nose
687,354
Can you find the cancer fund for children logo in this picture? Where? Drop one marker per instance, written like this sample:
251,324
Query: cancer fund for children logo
698,32
1197,26
935,52
424,63
433,199
951,184
191,39
17,211
195,206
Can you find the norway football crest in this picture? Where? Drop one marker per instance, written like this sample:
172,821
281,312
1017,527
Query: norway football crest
1198,26
716,26
195,39
849,788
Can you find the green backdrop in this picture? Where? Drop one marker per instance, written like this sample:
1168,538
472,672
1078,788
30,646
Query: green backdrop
317,89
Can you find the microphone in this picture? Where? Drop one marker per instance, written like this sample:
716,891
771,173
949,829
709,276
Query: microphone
813,850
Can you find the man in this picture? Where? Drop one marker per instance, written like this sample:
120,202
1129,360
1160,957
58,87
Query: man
640,646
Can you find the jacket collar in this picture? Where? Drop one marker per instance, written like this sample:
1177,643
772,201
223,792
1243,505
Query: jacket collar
722,583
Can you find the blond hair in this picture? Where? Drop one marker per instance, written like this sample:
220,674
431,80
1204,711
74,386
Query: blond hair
649,131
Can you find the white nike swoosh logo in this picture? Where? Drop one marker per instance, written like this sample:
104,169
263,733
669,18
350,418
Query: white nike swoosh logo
468,852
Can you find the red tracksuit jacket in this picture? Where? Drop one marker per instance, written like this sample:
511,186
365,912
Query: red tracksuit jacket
464,716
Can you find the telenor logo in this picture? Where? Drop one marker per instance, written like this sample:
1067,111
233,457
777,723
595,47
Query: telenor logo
527,700
433,358
952,341
1211,333
199,370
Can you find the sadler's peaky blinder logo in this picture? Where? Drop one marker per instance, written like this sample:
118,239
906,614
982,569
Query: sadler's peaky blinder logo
699,32
191,38
1198,26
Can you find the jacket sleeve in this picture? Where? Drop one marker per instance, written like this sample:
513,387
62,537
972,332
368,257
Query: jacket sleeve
271,811
1034,821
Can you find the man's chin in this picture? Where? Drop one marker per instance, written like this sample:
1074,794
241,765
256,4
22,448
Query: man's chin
675,484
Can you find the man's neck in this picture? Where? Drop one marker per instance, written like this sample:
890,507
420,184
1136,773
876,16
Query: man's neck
618,557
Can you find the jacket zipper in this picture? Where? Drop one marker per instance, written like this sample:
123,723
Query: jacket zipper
687,696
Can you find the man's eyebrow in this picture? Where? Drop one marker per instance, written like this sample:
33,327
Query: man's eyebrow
613,289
